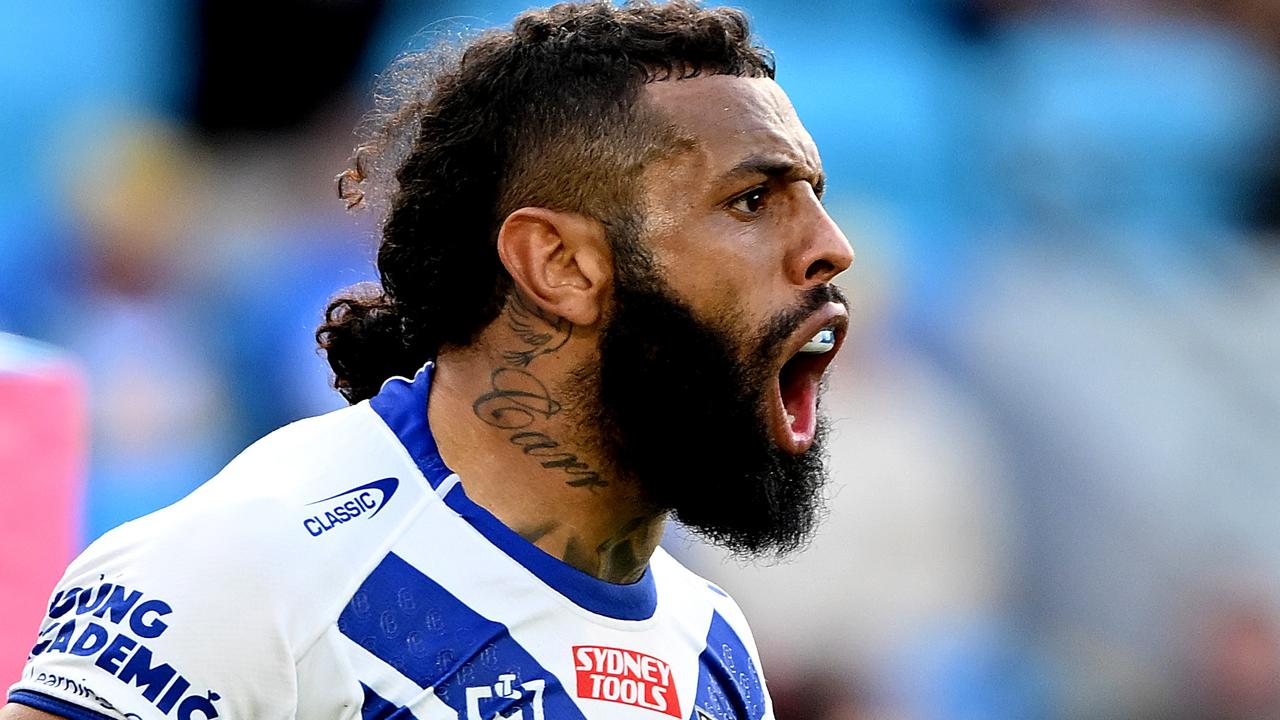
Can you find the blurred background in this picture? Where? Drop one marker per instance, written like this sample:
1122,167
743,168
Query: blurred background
1056,432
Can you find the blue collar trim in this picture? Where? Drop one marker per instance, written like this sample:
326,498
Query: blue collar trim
402,404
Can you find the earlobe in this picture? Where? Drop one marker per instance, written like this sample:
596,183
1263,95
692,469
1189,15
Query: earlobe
559,261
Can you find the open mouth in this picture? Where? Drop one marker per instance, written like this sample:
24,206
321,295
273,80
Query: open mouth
794,417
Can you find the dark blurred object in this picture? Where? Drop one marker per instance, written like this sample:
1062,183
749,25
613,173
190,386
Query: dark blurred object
273,66
1264,207
818,696
1257,18
1237,661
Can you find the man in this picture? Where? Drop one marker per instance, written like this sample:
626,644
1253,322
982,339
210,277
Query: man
606,244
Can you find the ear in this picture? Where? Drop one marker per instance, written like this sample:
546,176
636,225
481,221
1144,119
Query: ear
559,260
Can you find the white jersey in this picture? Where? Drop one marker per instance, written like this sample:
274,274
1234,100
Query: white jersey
336,569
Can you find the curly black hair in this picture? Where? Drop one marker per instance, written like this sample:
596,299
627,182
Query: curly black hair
545,115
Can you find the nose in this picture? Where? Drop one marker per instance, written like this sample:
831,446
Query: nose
822,252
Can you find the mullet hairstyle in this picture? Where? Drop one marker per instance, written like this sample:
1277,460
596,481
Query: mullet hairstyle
547,115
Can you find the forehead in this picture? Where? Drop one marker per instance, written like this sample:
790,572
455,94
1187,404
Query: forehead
725,119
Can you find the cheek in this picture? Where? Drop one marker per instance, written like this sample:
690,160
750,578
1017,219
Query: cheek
727,269
715,287
740,310
721,259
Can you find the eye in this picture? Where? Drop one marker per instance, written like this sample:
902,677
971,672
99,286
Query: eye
749,202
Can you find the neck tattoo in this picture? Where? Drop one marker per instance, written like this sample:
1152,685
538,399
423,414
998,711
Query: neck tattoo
517,399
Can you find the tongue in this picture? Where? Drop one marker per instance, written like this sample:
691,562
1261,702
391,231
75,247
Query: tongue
799,397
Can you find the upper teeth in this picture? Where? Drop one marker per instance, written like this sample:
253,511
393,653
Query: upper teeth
820,343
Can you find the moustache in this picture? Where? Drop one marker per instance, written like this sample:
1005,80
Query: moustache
785,323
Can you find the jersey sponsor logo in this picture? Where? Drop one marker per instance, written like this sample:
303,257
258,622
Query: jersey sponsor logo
71,687
364,501
109,623
627,677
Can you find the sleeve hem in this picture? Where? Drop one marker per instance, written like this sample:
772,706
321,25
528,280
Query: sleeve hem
55,706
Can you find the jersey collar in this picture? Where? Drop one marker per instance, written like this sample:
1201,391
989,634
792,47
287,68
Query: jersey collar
402,404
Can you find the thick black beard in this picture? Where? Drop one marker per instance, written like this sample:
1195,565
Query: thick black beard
686,419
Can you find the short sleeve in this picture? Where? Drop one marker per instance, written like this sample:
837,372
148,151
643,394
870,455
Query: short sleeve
208,607
165,617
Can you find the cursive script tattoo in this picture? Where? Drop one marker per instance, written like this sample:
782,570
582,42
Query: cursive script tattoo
540,445
543,334
517,399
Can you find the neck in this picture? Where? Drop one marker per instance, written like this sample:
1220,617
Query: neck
503,423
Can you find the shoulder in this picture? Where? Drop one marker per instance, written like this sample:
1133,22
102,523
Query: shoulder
730,673
307,504
224,590
697,591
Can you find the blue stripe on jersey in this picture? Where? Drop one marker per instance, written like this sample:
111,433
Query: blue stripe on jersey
402,405
728,682
375,707
428,635
636,601
55,706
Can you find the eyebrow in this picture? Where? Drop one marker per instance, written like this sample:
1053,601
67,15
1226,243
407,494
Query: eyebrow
775,167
